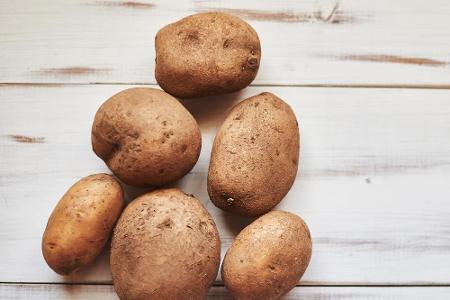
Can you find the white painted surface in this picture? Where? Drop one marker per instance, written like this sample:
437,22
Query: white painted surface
106,292
374,182
373,185
364,42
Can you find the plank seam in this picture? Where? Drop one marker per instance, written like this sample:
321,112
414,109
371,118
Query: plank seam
343,86
221,284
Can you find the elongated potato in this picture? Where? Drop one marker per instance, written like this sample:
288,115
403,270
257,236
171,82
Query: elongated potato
206,54
165,246
268,257
81,223
255,156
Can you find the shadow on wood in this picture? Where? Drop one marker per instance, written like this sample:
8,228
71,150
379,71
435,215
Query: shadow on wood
235,223
210,111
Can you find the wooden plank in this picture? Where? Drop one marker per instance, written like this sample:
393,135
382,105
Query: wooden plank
308,42
99,292
373,185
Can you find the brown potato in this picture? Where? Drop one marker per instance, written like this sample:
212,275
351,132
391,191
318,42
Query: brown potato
165,246
206,54
255,156
81,223
146,137
268,257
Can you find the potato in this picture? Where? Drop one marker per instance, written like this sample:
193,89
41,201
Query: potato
255,156
165,246
268,257
146,137
206,54
81,223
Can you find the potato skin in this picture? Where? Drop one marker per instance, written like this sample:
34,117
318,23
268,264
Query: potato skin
255,156
146,137
165,246
206,54
81,223
268,257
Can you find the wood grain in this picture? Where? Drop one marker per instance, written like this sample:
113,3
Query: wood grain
308,42
100,292
396,59
70,71
26,139
126,4
373,184
268,16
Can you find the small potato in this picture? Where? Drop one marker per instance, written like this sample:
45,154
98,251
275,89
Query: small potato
206,54
255,156
268,257
81,223
146,137
165,246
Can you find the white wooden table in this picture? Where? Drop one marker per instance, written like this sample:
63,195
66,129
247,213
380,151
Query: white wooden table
368,80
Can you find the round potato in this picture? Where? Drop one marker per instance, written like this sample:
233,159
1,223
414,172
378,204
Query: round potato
165,246
82,222
268,257
206,54
255,156
146,137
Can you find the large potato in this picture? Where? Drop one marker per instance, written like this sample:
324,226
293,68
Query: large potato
146,137
81,223
255,156
268,257
165,246
206,54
